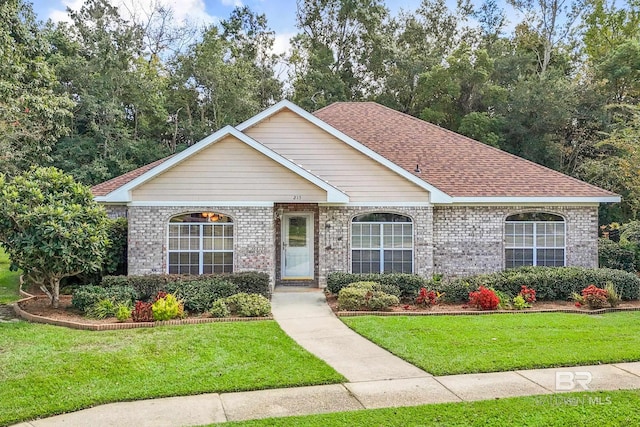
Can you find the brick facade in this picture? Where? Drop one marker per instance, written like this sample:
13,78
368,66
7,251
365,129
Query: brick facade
335,235
470,240
253,229
452,240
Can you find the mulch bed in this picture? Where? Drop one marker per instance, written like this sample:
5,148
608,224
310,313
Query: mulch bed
447,308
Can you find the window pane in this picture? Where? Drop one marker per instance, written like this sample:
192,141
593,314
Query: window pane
550,257
518,257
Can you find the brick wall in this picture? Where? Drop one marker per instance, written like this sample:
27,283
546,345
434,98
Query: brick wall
116,211
253,237
470,240
335,235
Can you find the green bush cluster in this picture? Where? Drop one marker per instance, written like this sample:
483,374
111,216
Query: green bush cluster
408,284
550,283
148,286
243,305
198,295
616,255
365,296
88,296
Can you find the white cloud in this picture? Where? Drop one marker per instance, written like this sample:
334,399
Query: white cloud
282,42
234,3
184,10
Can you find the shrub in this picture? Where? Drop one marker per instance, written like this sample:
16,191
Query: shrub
365,296
142,312
123,312
198,296
407,284
166,307
148,286
551,283
484,299
616,255
594,297
115,261
519,302
504,299
242,304
528,294
102,309
428,298
220,309
378,301
250,282
85,297
612,296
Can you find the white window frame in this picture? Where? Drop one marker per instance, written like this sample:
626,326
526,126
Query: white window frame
382,248
534,247
201,251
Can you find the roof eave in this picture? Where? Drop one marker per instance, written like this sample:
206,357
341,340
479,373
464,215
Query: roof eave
536,200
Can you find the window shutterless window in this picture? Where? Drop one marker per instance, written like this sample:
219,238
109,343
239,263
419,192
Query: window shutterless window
535,239
200,243
381,243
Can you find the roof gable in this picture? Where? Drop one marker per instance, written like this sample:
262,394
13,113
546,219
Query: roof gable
140,176
436,194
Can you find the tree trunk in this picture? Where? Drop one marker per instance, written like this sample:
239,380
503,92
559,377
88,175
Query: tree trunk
55,292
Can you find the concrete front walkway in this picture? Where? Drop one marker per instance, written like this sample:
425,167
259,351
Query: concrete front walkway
304,315
377,379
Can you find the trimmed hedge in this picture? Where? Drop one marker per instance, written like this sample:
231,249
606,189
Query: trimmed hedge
199,295
550,283
148,286
85,297
408,284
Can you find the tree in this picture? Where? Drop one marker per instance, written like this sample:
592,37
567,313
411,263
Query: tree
338,54
51,227
32,114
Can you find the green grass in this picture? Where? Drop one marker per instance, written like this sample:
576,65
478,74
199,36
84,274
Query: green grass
444,345
9,281
45,370
615,408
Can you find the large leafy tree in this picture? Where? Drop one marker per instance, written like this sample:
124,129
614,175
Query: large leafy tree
51,227
339,52
33,115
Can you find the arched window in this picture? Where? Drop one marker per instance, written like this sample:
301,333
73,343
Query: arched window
534,238
200,243
381,243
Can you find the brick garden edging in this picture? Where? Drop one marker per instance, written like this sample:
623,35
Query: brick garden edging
479,313
117,326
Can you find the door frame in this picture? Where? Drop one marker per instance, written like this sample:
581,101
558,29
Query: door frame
310,244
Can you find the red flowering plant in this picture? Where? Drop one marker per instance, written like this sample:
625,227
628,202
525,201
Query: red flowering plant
592,296
484,299
428,298
142,312
529,294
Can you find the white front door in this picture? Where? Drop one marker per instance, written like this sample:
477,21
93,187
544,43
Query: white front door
297,246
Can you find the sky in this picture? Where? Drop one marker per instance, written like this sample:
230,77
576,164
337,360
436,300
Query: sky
281,14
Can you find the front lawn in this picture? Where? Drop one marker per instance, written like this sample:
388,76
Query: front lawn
45,370
444,345
9,280
619,408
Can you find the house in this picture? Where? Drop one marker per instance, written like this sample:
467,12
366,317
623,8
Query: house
352,187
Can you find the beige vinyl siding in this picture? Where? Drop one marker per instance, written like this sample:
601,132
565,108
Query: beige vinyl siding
361,177
229,170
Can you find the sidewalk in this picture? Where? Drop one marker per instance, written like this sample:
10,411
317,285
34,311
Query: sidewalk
377,379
